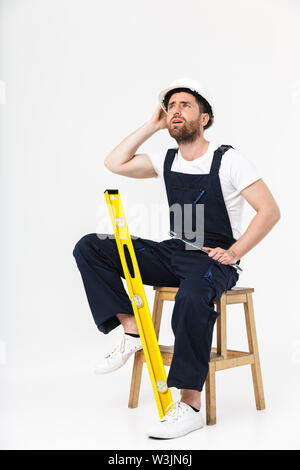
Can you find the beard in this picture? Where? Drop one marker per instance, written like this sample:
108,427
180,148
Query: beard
185,133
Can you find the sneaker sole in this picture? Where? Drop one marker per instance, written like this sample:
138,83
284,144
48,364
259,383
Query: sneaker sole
174,437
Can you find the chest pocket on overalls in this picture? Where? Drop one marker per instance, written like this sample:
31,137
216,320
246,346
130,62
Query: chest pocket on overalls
188,195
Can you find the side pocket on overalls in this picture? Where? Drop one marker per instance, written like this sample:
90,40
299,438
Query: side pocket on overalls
214,314
209,277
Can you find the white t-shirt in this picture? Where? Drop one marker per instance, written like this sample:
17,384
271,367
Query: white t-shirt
236,173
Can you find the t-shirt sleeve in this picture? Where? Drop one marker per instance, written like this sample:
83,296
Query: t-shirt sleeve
243,172
157,158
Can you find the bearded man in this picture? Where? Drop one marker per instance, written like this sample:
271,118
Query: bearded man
209,179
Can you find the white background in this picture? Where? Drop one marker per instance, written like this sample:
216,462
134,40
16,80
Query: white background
78,77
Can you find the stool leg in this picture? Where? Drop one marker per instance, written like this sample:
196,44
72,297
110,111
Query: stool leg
210,395
221,327
135,381
157,312
253,348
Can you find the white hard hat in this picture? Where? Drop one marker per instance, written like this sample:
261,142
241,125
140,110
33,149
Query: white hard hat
192,85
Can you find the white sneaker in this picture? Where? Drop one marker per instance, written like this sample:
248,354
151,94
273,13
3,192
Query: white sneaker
119,355
178,421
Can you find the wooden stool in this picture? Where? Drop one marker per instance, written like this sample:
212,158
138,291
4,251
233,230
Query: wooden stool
221,358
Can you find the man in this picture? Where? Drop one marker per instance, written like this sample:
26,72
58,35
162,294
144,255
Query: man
197,174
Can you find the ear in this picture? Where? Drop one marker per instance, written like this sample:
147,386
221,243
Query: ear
204,119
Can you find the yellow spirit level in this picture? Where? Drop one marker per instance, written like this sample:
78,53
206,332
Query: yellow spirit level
139,302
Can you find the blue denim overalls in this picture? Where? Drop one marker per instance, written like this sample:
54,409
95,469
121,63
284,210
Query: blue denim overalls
200,279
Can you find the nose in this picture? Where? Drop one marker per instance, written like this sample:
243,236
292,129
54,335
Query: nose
176,113
176,109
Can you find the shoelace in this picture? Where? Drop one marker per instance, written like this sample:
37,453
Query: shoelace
120,347
175,413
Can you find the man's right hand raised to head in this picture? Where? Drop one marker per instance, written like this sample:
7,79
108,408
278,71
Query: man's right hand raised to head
124,160
159,118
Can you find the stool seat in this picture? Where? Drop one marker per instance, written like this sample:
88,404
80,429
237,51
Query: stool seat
232,291
220,358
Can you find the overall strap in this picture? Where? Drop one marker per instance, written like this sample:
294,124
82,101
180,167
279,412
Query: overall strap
214,169
169,161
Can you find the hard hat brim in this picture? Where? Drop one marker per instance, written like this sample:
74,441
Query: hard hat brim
163,93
